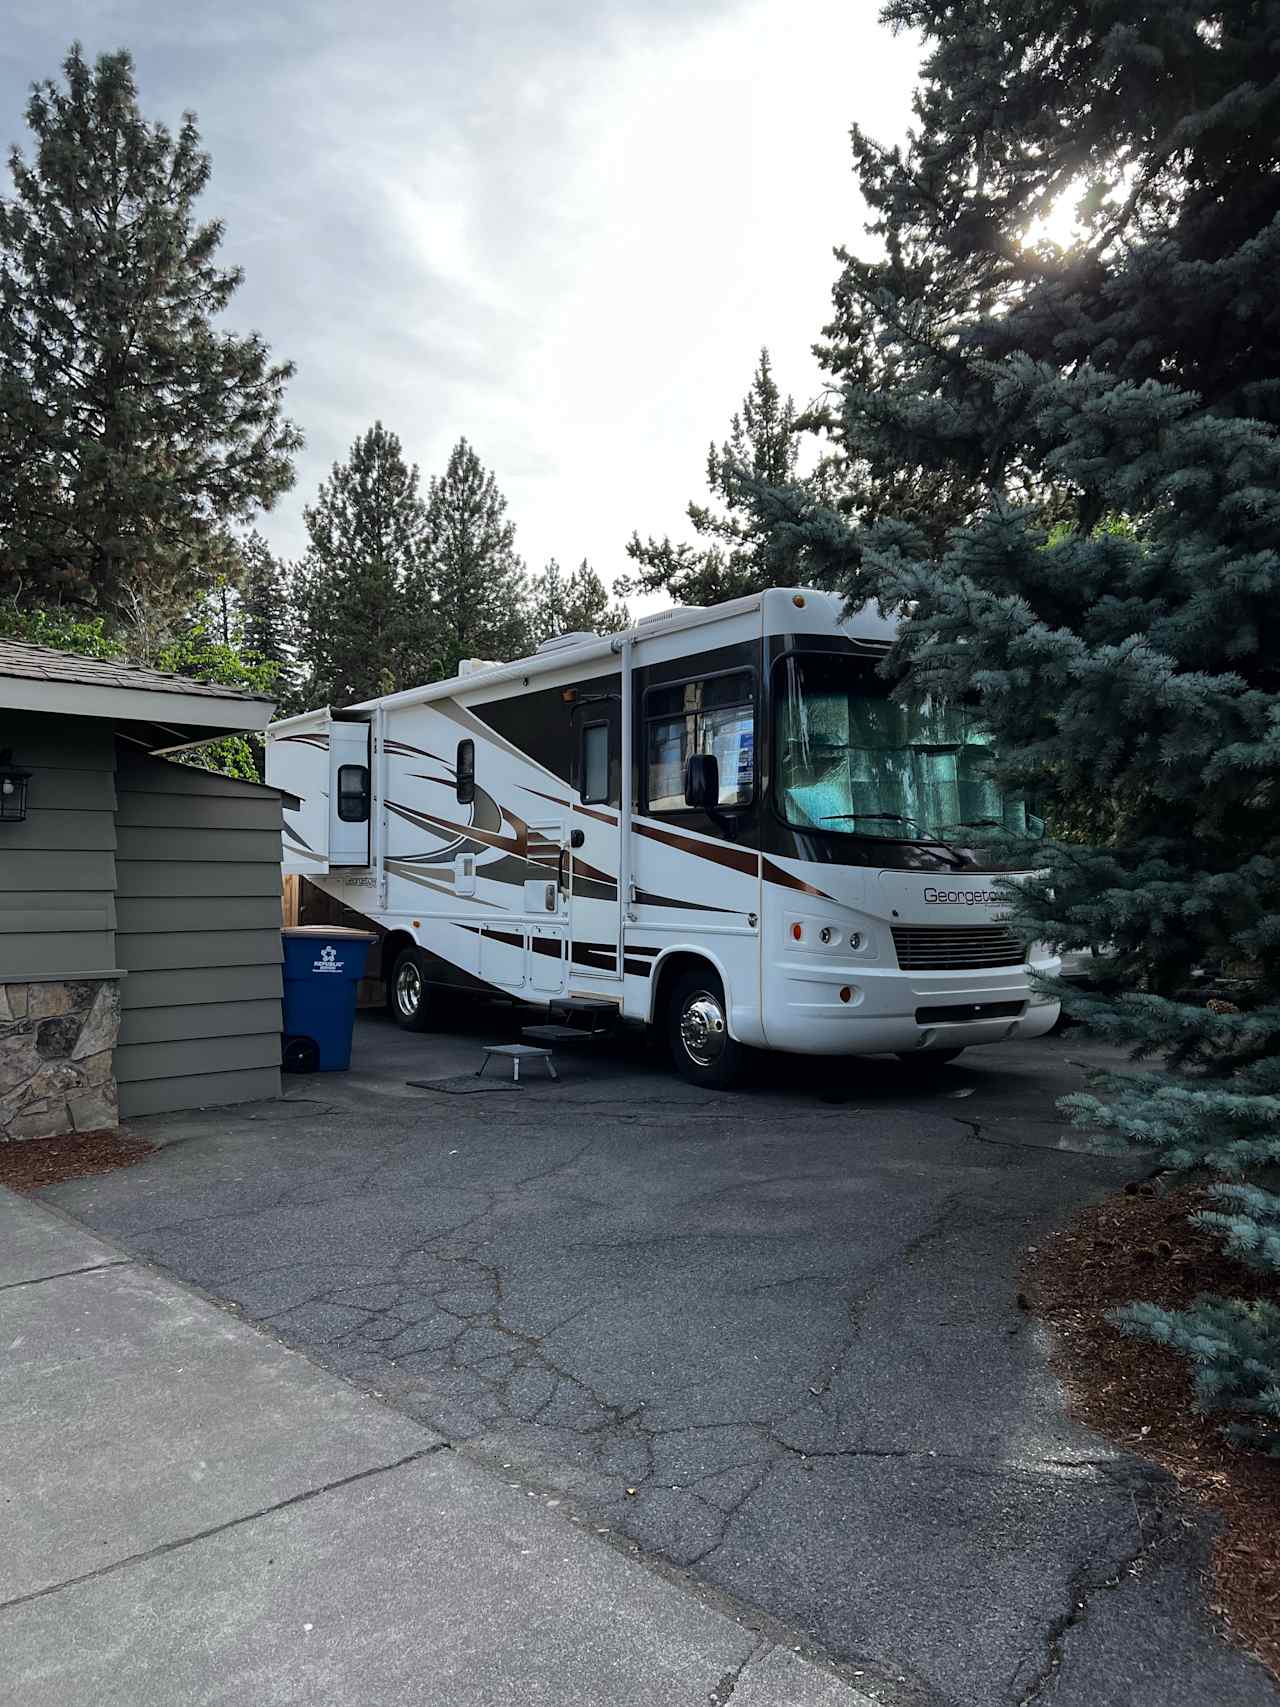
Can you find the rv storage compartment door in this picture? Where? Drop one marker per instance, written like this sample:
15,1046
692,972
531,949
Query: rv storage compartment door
350,793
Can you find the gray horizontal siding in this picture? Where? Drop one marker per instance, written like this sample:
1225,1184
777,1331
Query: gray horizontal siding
187,780
203,985
55,830
204,878
57,867
199,1019
252,846
187,1057
204,1090
138,914
213,812
55,909
78,790
158,951
80,873
199,931
55,954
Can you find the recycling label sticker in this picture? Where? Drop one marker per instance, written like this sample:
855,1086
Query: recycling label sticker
328,961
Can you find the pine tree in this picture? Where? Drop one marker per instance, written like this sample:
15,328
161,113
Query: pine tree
762,442
360,632
133,427
470,576
576,603
1136,372
266,618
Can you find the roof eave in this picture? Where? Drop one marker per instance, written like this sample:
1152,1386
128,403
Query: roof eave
218,714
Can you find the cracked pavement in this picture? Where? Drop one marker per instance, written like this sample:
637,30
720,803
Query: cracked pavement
770,1340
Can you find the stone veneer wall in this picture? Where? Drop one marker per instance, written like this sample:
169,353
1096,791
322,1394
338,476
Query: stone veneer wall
56,1043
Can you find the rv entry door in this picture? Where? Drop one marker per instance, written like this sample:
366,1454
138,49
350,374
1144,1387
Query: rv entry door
548,906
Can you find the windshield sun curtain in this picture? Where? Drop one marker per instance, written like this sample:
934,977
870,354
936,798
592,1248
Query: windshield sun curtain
853,761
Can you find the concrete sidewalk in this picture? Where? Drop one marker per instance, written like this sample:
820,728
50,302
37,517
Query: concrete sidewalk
193,1513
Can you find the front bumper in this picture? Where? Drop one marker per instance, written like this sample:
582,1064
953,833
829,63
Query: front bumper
806,1010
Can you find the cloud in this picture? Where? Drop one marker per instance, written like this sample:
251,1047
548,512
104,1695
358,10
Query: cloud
563,229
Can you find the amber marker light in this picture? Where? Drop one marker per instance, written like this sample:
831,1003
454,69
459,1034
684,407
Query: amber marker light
846,994
797,932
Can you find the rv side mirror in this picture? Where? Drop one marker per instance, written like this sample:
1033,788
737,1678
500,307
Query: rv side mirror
702,781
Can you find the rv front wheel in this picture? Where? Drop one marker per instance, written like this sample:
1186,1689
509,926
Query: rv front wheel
410,997
698,1031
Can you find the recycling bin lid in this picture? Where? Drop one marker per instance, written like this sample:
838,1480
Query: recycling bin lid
330,931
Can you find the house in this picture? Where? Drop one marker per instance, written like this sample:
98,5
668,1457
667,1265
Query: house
139,898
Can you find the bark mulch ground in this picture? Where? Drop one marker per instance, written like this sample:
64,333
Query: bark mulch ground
30,1163
1138,1245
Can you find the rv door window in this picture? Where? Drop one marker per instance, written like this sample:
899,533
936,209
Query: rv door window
353,793
465,771
594,768
712,716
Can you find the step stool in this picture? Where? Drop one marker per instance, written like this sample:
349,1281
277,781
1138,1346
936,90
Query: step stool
516,1053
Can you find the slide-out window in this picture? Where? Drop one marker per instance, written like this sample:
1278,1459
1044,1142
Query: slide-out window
715,715
353,794
594,768
466,772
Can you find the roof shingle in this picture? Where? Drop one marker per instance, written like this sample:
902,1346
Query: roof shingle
43,664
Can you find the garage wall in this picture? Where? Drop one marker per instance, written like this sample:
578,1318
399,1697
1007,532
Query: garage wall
198,930
57,868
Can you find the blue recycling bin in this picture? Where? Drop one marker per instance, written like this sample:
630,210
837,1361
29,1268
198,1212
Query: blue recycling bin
323,964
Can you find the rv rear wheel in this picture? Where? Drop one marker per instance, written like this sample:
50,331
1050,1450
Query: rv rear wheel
410,992
698,1032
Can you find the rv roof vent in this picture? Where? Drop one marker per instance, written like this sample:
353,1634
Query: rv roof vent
579,637
666,615
470,666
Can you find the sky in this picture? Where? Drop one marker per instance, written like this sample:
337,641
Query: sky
563,228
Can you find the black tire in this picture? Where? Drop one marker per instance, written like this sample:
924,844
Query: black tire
409,992
928,1059
698,1033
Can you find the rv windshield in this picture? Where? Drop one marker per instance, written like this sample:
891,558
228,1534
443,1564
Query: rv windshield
851,761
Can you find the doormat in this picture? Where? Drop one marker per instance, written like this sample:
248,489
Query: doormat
464,1085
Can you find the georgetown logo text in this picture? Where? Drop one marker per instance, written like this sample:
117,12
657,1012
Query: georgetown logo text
961,897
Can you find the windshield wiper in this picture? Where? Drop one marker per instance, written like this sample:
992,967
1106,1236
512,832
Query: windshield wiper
881,817
920,840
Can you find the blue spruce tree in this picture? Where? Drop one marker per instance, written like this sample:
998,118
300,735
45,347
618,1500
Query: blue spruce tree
1113,602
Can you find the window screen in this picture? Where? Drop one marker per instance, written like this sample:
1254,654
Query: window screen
713,716
465,771
353,793
594,771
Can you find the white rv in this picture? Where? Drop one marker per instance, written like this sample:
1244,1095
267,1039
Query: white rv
718,823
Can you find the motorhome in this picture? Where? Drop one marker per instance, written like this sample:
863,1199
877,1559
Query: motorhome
720,824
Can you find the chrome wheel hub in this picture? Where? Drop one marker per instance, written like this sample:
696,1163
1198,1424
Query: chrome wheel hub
702,1029
408,989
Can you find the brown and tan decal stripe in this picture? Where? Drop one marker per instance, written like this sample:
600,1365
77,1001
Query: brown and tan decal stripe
785,880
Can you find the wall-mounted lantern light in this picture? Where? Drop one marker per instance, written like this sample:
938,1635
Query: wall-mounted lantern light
13,789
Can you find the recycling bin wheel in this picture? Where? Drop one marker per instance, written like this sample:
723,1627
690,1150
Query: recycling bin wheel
300,1055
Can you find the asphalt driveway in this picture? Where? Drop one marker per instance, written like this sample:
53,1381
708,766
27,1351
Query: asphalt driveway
770,1338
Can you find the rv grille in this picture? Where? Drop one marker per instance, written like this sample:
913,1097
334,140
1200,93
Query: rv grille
956,948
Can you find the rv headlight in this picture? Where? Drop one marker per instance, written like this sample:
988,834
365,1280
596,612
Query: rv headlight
855,939
825,934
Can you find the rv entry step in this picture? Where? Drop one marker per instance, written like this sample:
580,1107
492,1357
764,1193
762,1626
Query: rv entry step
558,1033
